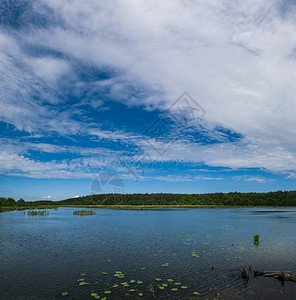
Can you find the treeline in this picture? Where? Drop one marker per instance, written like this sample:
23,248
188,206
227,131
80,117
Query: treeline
10,202
279,198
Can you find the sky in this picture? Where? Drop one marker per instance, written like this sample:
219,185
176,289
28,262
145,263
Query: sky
142,96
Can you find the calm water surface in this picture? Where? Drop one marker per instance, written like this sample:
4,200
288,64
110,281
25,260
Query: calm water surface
161,254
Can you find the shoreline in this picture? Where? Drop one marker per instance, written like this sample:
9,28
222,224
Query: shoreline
140,207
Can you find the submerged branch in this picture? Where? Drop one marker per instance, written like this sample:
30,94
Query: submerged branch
280,275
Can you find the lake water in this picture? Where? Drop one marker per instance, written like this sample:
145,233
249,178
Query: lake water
161,254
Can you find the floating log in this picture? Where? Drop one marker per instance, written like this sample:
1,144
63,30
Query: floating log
280,275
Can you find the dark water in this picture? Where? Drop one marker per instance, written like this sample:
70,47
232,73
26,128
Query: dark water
43,256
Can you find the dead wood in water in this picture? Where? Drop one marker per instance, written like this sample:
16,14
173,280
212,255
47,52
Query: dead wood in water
280,275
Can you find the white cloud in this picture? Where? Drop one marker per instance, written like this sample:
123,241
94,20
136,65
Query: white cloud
258,179
48,197
237,59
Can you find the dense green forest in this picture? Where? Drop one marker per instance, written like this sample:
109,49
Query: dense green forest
279,198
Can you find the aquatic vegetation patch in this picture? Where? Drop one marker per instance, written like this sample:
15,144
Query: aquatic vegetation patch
37,213
83,212
256,239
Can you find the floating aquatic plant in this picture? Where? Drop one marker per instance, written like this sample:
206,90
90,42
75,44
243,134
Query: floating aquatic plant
65,293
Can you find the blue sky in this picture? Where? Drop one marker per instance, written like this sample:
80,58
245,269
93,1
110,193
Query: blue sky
146,96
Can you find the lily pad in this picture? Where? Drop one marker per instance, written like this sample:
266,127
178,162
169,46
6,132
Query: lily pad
107,292
184,287
195,293
139,282
65,293
140,294
158,279
174,289
94,294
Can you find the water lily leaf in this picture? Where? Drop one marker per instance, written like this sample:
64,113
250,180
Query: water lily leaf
65,293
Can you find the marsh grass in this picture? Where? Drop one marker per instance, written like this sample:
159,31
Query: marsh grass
37,213
83,212
256,239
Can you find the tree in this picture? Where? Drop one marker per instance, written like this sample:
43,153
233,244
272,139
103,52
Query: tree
21,202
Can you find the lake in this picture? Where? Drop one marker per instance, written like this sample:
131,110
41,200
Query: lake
146,254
